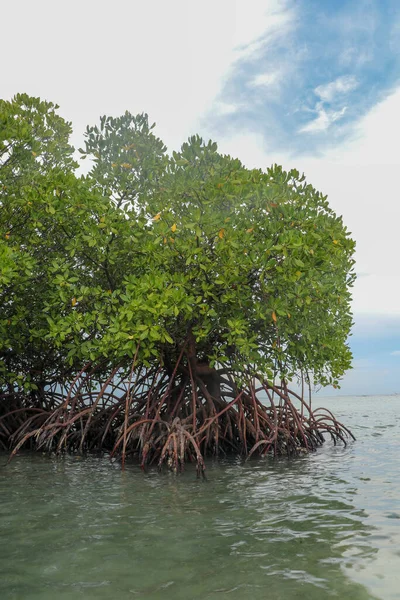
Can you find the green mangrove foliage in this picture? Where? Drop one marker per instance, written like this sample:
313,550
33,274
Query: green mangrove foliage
159,305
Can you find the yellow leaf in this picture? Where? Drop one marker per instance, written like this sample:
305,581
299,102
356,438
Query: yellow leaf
221,233
171,239
73,301
34,153
289,315
335,242
173,228
250,230
165,240
219,185
126,165
8,236
273,316
298,273
157,217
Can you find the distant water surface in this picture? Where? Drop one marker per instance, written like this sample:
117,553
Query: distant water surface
325,525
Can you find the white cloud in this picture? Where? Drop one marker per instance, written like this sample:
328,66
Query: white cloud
224,108
395,353
248,147
327,94
376,138
376,293
260,22
340,86
323,121
265,79
355,56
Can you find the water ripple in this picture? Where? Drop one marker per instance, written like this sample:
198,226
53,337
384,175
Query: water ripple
325,525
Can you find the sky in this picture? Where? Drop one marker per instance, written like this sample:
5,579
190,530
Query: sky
309,84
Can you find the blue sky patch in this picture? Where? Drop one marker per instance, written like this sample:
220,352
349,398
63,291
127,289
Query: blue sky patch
305,85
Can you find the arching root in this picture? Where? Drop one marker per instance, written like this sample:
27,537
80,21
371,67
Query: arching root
170,419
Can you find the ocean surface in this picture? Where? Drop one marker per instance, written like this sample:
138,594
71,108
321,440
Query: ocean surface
324,525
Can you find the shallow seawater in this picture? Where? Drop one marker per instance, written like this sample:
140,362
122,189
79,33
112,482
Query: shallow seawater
324,525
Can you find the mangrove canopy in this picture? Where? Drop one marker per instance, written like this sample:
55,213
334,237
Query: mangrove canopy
162,305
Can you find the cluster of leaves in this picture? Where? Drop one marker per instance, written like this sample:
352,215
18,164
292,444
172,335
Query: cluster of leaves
148,248
265,260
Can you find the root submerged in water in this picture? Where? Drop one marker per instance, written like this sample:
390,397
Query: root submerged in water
169,419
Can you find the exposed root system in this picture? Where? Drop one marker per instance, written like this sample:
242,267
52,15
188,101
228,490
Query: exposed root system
166,417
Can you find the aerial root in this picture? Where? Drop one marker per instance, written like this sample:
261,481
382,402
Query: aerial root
169,419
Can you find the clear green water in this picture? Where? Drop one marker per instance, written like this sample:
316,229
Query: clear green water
325,525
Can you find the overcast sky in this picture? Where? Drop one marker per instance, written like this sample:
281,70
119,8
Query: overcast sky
307,84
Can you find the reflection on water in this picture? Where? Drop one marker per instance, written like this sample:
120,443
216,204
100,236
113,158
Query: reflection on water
324,525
